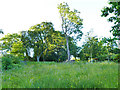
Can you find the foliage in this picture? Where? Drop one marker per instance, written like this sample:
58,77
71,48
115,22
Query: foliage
12,43
115,57
114,9
26,44
102,57
45,42
62,75
10,61
71,21
99,48
74,49
71,24
57,47
91,48
17,48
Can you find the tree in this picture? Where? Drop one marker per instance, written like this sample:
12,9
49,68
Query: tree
46,43
93,47
92,43
114,8
12,46
1,32
40,35
27,44
58,45
17,49
71,23
110,45
8,41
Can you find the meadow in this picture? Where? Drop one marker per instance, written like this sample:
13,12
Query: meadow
62,75
0,74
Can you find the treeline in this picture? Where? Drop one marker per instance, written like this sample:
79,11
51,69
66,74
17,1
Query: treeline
50,45
99,49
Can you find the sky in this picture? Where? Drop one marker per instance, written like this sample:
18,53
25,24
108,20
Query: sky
18,15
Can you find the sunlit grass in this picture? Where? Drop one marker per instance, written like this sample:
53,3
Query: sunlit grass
62,75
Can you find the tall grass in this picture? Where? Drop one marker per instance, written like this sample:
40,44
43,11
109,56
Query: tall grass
0,73
62,75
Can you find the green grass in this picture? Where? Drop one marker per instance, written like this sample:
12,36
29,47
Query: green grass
0,74
62,75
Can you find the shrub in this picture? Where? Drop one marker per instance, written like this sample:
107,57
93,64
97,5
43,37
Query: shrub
115,57
6,63
102,57
9,61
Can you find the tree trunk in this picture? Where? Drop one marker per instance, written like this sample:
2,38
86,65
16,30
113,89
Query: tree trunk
119,30
26,54
91,56
43,58
68,51
119,42
38,57
108,58
119,38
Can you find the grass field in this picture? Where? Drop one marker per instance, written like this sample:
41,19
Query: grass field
62,75
0,74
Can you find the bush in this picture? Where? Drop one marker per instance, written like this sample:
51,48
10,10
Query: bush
9,61
102,57
77,60
115,57
6,63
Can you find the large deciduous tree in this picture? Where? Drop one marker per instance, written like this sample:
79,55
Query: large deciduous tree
71,23
47,44
40,35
